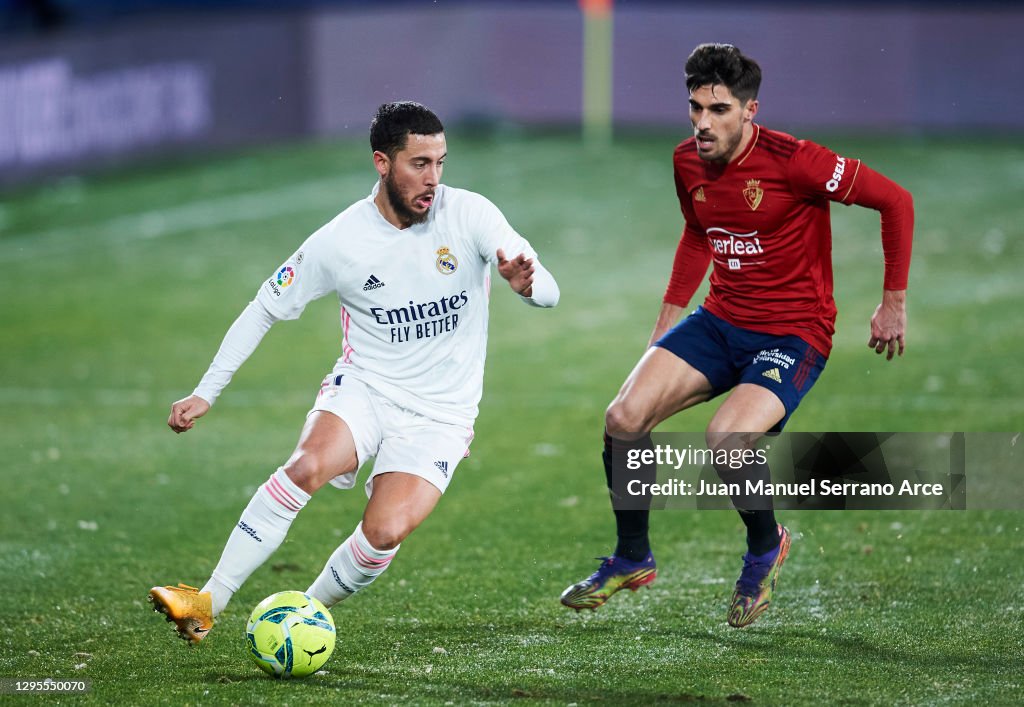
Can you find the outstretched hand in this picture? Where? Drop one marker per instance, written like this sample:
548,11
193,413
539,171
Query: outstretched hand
889,324
518,272
185,412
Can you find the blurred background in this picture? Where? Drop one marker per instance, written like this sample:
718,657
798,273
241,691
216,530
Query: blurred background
89,83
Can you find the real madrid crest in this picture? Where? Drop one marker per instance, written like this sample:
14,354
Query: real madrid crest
446,262
753,193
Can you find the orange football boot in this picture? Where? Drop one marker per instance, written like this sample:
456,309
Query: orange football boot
190,609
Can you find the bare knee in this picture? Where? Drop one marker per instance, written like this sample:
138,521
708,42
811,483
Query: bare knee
306,471
625,421
387,534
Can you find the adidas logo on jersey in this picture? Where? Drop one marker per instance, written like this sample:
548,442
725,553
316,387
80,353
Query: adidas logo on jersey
773,374
372,284
443,466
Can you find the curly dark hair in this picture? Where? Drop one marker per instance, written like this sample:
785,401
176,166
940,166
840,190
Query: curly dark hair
393,122
724,65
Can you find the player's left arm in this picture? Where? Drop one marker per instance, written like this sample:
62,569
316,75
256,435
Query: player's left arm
821,172
528,278
515,258
896,206
889,323
519,272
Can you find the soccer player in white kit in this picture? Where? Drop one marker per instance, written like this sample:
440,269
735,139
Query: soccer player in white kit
410,265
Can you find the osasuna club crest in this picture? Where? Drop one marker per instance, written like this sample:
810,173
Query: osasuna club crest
446,262
753,193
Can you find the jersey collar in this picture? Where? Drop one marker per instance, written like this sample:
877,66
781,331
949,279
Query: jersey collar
750,146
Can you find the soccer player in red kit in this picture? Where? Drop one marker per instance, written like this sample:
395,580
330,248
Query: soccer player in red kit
756,205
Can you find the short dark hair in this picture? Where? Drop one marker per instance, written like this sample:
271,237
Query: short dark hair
393,122
723,64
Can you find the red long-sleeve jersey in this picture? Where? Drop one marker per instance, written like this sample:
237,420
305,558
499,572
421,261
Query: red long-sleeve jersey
763,219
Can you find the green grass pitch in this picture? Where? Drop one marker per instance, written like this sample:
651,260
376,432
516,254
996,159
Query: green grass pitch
118,289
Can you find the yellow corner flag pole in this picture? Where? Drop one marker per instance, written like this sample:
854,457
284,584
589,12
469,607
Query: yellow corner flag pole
597,72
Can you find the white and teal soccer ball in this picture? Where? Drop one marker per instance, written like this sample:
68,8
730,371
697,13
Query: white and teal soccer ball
290,634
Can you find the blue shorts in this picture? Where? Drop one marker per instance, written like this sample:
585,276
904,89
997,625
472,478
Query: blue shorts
728,355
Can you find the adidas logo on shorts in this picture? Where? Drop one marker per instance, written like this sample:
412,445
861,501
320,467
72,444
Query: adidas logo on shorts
443,466
372,283
773,374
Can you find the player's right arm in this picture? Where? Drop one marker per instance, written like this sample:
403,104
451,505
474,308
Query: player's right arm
239,343
185,412
304,277
688,268
668,317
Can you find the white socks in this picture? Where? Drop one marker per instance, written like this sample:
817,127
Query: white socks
260,531
354,565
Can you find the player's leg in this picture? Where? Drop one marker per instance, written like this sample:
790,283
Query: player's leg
744,417
417,460
749,412
326,448
400,502
772,385
659,386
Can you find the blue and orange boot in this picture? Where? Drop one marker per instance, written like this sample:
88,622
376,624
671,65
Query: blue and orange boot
756,584
615,573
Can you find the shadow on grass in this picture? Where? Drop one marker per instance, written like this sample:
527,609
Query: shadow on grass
368,688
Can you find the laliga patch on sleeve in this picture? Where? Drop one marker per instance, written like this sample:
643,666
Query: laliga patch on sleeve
281,281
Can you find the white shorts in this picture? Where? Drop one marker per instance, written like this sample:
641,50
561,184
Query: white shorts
399,439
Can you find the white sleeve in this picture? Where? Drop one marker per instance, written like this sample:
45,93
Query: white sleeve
241,340
306,276
545,289
493,232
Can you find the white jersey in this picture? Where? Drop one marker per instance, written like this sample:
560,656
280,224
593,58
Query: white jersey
413,301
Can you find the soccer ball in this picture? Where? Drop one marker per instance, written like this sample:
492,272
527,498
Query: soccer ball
290,634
